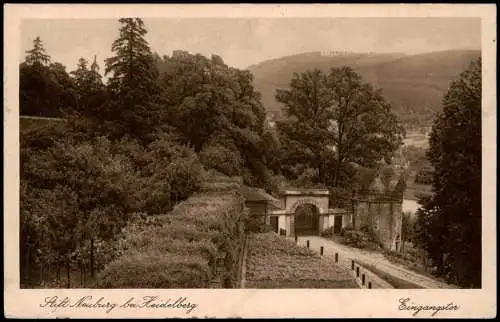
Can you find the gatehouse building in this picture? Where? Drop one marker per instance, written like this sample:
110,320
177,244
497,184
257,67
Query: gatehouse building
301,211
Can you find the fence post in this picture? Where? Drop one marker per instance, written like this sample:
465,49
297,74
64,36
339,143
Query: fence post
296,239
363,279
352,264
369,284
336,257
321,250
308,244
357,271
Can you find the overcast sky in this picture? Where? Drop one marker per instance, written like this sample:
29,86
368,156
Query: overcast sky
242,42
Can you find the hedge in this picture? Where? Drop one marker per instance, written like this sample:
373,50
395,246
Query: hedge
180,249
155,269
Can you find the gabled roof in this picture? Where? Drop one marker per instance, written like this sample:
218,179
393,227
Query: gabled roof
254,194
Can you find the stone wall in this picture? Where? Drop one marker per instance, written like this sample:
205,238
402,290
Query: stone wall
382,217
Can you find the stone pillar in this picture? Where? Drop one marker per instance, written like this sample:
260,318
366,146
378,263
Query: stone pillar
326,221
331,220
282,222
291,225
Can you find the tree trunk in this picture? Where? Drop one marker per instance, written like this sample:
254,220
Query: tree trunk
337,167
320,172
92,269
353,210
339,154
25,264
41,273
68,273
82,274
58,272
84,270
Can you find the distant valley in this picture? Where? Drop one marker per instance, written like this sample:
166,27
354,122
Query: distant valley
413,84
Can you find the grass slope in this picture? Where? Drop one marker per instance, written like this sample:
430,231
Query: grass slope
276,262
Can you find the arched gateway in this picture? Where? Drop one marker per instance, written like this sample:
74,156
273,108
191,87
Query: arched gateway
307,212
306,219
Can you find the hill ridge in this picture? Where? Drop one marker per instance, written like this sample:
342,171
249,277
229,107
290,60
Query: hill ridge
413,83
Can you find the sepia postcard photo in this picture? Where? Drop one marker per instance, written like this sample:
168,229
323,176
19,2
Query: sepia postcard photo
250,161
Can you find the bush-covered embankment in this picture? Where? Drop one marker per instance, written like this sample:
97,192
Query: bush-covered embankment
78,190
276,262
197,243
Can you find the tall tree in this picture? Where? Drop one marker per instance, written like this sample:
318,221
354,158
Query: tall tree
95,76
80,75
45,88
306,104
32,82
450,221
133,84
89,87
335,119
215,109
64,93
37,56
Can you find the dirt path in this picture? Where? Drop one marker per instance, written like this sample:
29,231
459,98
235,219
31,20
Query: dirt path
378,260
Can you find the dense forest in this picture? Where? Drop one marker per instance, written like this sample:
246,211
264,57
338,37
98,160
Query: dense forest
138,144
145,139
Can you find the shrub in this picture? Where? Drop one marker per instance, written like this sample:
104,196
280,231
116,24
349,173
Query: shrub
73,193
254,224
266,228
349,227
356,238
162,239
223,159
329,232
155,269
193,235
171,173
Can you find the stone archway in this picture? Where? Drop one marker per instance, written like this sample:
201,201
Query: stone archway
306,219
291,201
